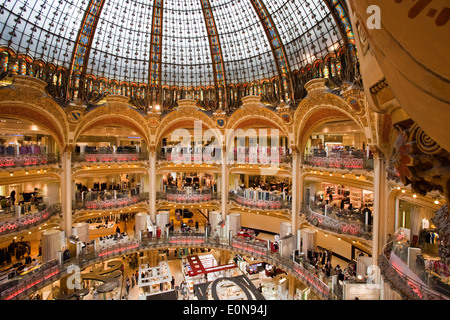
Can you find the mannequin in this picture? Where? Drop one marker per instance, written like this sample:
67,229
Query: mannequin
425,223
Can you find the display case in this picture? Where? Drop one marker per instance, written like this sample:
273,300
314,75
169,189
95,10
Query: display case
154,280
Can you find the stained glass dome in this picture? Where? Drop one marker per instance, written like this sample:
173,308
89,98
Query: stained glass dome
166,43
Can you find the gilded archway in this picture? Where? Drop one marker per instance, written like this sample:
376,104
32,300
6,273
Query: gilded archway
185,115
115,112
26,99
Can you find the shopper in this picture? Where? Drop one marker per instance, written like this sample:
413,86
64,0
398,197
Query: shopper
21,198
173,282
12,195
133,281
127,281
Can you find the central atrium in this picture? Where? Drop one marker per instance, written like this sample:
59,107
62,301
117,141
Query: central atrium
224,150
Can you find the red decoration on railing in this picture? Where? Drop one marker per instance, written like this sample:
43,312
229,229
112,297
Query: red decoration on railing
24,160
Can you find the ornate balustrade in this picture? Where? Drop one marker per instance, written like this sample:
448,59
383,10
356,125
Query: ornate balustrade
408,288
29,220
119,202
275,202
110,157
26,284
25,160
339,163
182,196
342,226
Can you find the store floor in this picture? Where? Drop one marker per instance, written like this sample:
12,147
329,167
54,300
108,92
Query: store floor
269,284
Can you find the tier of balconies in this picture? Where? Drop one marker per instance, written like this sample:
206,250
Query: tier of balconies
22,285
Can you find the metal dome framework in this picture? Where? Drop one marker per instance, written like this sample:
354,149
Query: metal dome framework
157,52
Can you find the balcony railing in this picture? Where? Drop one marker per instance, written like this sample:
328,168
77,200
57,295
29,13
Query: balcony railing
121,200
266,200
26,284
408,287
339,163
21,287
25,160
191,156
29,220
109,157
346,221
188,196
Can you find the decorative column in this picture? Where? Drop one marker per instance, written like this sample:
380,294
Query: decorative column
380,198
152,180
296,188
66,189
224,184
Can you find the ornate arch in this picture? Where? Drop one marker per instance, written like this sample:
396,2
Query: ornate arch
316,117
114,112
184,115
253,110
320,105
26,99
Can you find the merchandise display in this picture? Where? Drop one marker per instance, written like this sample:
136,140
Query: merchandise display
154,280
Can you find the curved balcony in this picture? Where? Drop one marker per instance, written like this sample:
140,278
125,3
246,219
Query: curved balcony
21,286
27,160
95,201
26,283
188,196
109,157
350,163
190,155
262,200
408,286
28,221
339,221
